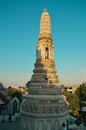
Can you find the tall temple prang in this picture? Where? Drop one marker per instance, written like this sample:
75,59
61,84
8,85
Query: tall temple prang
44,107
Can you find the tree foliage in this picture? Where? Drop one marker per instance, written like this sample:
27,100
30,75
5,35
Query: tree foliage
73,101
17,94
28,84
14,93
81,92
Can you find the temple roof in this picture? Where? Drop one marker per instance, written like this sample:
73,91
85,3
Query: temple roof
3,93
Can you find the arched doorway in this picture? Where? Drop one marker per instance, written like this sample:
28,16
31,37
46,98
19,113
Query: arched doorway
15,105
46,53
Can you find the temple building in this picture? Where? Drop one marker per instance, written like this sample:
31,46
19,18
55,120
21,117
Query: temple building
44,108
4,100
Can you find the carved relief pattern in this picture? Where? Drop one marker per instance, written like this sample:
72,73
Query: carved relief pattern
43,108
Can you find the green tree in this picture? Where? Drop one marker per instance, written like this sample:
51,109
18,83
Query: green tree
81,92
10,90
14,92
73,101
17,94
28,84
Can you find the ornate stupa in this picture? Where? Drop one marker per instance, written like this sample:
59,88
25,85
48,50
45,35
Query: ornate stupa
44,107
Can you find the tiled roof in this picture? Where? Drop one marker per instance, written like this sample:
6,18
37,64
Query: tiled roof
3,92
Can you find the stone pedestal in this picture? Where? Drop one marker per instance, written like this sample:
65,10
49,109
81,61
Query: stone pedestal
43,112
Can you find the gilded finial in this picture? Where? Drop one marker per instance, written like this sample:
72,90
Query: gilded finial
45,8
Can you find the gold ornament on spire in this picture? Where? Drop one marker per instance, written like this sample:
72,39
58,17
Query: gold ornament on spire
45,8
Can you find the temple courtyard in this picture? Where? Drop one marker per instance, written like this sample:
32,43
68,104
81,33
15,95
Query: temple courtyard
10,125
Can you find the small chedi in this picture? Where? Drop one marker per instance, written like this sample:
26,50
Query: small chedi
44,108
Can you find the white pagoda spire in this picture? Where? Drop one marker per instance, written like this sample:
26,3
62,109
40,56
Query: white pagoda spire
45,24
45,48
44,108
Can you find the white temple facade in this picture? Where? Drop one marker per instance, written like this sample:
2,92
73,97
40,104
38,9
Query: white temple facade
44,107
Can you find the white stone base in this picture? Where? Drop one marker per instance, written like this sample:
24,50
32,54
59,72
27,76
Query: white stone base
40,123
